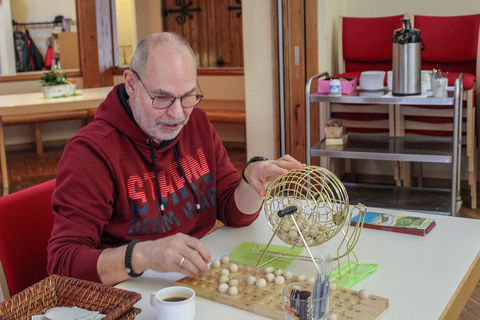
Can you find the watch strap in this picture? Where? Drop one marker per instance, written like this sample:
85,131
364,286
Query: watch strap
253,159
128,260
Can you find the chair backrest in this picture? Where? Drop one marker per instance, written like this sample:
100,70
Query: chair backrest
366,43
26,221
451,43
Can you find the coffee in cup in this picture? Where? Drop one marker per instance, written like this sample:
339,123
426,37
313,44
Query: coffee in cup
174,303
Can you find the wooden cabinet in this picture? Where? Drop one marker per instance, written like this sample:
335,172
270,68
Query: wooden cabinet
65,49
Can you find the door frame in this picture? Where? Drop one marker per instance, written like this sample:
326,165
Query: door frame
295,28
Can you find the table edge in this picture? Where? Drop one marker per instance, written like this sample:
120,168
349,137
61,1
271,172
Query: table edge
463,292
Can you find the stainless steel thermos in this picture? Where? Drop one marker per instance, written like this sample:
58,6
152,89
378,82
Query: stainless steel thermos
407,61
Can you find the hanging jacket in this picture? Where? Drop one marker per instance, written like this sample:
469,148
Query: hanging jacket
33,52
49,54
114,184
22,60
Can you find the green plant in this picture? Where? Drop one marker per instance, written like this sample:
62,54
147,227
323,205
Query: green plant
54,78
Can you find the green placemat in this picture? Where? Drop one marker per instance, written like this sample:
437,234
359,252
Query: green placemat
244,253
357,275
64,96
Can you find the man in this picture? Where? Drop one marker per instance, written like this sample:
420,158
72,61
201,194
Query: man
139,185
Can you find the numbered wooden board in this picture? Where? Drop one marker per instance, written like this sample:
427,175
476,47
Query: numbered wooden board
268,301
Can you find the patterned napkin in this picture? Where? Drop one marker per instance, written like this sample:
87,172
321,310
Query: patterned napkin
69,313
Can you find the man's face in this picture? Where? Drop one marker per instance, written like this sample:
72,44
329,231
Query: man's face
169,72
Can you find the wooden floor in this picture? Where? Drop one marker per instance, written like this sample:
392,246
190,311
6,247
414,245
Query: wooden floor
26,168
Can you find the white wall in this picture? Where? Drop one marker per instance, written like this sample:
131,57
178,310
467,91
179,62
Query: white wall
259,81
126,30
328,13
148,17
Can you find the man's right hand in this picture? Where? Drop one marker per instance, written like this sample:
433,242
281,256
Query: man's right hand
177,253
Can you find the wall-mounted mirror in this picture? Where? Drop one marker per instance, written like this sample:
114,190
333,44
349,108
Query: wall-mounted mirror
44,34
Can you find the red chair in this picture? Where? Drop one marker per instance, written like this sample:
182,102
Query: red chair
366,44
451,44
26,220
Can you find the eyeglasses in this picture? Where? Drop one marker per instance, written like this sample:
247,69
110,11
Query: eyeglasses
162,102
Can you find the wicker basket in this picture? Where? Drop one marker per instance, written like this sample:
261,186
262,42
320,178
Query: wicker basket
63,291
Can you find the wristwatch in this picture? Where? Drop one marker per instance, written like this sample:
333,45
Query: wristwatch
128,260
253,159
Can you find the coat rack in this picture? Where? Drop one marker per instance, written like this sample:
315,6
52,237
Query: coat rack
45,24
33,24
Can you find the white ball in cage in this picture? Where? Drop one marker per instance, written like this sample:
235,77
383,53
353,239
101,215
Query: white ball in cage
313,197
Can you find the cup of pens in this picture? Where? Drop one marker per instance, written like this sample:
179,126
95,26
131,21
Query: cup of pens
307,300
439,83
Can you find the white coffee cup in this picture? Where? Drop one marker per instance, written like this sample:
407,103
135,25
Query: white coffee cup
174,303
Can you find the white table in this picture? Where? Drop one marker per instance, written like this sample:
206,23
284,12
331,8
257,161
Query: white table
27,104
425,278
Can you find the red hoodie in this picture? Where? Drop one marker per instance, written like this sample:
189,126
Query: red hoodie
106,195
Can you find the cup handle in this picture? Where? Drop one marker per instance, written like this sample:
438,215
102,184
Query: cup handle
152,299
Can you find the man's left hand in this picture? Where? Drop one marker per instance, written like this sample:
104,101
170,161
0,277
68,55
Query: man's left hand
261,172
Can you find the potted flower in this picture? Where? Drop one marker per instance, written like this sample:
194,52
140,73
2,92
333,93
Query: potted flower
55,84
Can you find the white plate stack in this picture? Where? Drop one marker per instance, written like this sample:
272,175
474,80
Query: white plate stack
372,80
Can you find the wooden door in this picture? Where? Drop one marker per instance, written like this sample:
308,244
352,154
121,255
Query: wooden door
95,38
300,57
212,27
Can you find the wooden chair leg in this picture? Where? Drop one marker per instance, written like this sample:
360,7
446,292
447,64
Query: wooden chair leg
405,168
471,147
38,138
335,165
396,173
420,174
348,165
353,170
3,160
393,116
472,177
406,172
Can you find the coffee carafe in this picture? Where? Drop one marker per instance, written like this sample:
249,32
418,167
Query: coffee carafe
407,61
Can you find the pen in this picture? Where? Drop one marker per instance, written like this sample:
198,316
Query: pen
324,296
317,291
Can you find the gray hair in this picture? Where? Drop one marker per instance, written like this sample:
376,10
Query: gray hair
140,57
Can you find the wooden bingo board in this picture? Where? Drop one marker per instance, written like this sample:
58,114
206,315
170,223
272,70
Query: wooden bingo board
267,301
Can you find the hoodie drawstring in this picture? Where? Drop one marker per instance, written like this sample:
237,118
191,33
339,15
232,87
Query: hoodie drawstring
195,198
155,172
182,173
